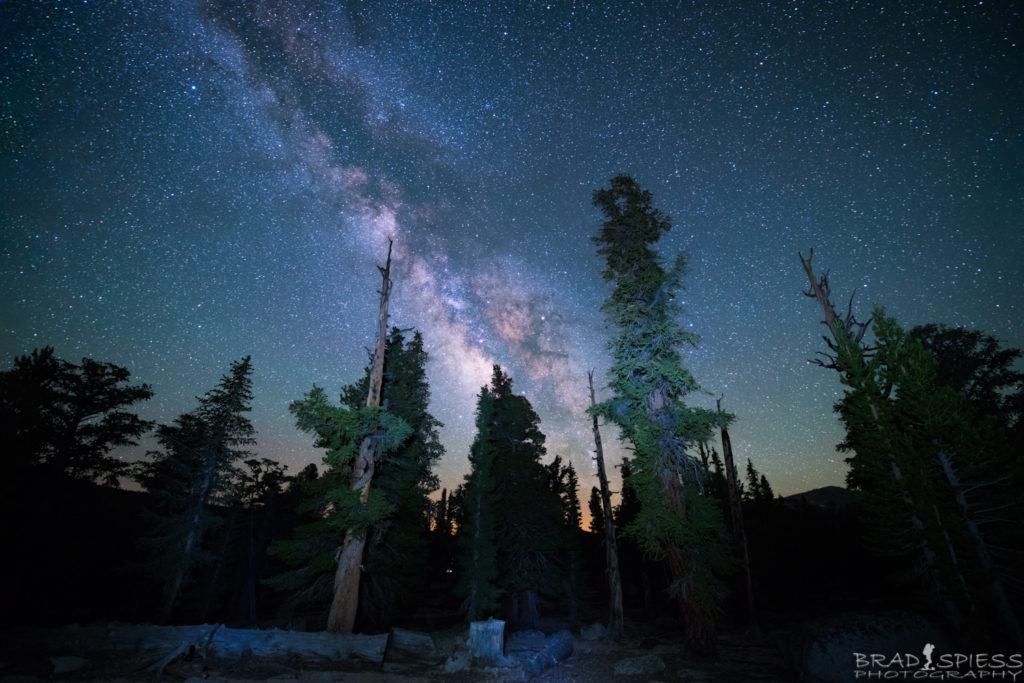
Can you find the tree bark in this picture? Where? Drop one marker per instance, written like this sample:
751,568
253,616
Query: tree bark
345,603
736,512
611,551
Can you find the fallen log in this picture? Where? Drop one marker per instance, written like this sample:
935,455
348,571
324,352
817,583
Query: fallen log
166,643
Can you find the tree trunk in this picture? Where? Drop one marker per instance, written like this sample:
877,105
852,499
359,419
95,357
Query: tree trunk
1003,606
611,551
736,512
487,640
345,603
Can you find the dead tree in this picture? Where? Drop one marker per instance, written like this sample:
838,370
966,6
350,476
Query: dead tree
845,343
611,551
736,513
345,602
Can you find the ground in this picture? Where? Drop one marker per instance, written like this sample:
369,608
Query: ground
754,659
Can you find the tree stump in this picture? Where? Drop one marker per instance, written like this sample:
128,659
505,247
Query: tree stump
487,640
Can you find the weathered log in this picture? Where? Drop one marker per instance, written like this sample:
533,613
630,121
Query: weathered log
557,648
487,640
207,640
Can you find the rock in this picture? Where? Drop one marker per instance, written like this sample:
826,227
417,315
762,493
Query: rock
459,661
594,631
639,666
412,646
822,650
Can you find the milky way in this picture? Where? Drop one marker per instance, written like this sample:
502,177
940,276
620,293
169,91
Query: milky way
186,183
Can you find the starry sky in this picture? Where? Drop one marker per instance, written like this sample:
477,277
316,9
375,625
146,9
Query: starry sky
188,182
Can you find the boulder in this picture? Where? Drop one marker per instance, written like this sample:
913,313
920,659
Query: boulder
823,650
594,631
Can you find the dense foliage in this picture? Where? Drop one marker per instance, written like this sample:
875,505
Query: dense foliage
515,510
193,473
676,520
396,517
68,418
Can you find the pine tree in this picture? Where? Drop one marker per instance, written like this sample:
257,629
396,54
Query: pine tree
921,459
67,417
397,545
513,519
478,561
193,470
676,520
397,522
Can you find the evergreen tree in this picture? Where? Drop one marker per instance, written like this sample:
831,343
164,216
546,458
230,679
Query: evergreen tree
396,551
194,469
676,521
513,518
922,460
69,417
397,523
478,552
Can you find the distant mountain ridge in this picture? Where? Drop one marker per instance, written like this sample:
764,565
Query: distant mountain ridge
829,497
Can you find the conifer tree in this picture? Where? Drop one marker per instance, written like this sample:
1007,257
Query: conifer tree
921,459
398,517
68,417
396,550
676,520
512,517
196,467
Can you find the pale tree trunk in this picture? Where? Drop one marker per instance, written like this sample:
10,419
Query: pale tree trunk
736,512
611,551
345,603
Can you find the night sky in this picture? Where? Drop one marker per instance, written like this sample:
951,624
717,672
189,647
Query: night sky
186,183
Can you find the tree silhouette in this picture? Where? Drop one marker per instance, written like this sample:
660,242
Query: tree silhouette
676,521
196,467
70,417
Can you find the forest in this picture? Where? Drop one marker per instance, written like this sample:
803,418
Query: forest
693,543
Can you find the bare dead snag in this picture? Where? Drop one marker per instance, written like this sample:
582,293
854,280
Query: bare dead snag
344,604
614,631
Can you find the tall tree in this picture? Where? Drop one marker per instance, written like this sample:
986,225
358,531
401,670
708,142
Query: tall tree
919,456
70,417
512,518
478,525
397,545
611,548
356,439
194,468
649,385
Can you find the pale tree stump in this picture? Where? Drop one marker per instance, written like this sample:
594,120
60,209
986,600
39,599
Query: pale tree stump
487,640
